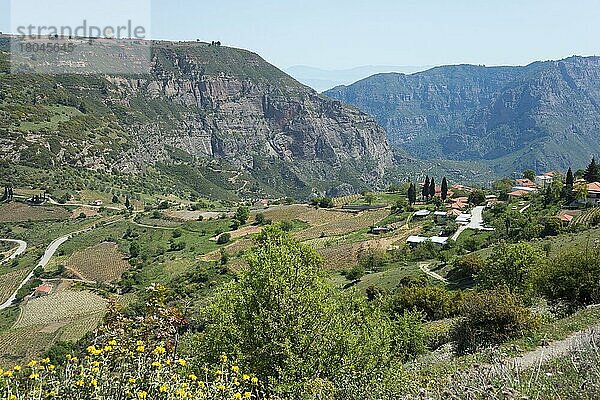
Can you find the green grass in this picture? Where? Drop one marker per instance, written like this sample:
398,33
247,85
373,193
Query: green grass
8,317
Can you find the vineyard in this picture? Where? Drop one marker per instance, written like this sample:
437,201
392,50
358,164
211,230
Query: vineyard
19,212
588,217
58,308
9,283
350,199
100,263
17,345
340,223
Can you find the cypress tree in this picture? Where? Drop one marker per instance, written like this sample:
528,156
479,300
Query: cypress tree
444,189
592,172
432,188
425,191
412,194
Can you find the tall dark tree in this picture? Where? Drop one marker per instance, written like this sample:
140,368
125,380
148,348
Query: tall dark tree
432,188
127,203
444,189
425,191
568,190
592,172
412,194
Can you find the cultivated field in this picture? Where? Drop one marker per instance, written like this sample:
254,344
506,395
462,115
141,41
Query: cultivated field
587,217
336,223
100,263
57,308
10,281
66,315
19,212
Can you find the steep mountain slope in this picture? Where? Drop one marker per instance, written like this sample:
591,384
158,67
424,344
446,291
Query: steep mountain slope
202,110
544,115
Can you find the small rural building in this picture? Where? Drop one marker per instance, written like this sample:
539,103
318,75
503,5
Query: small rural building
528,183
378,230
414,241
42,290
543,181
517,193
422,213
98,203
593,196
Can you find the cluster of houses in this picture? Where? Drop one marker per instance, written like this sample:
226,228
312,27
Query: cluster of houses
526,186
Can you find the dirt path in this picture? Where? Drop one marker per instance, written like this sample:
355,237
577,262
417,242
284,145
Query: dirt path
554,349
424,266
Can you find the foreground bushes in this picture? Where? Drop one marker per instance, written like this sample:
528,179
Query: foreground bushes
283,320
572,279
130,359
491,317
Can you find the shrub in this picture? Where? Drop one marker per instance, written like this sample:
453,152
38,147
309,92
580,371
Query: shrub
511,266
354,273
491,317
283,319
433,301
224,238
571,278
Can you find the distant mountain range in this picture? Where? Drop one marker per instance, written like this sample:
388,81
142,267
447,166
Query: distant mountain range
545,115
322,79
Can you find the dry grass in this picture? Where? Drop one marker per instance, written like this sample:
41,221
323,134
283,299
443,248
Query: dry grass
19,212
337,223
88,212
100,263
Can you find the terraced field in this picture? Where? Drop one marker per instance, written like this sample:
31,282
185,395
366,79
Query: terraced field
342,223
65,306
9,282
100,263
20,212
66,315
587,217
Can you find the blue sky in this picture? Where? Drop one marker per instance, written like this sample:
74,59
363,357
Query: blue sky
348,33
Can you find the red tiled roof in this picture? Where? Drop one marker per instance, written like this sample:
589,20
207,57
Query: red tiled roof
518,193
525,182
594,187
44,289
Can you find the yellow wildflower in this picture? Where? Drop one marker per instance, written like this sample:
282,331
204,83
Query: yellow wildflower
192,377
235,369
131,380
17,368
32,363
223,358
246,377
34,376
182,362
163,388
247,395
142,395
237,396
80,383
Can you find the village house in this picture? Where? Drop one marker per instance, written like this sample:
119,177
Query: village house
544,181
42,290
593,194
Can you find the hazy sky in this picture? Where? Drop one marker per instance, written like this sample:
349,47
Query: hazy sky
349,33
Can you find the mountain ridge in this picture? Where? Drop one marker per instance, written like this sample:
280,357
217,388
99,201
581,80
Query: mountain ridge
199,105
468,112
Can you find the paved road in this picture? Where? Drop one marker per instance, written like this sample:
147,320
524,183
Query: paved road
18,252
476,222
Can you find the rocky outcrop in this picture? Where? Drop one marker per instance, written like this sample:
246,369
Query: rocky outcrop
203,103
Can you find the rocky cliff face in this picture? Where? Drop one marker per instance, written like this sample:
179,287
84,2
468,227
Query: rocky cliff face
544,115
200,105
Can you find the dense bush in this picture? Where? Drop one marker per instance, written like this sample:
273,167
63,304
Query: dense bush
572,278
491,317
434,302
224,238
283,319
512,267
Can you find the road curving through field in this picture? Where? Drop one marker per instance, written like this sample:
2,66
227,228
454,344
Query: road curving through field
20,250
50,250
